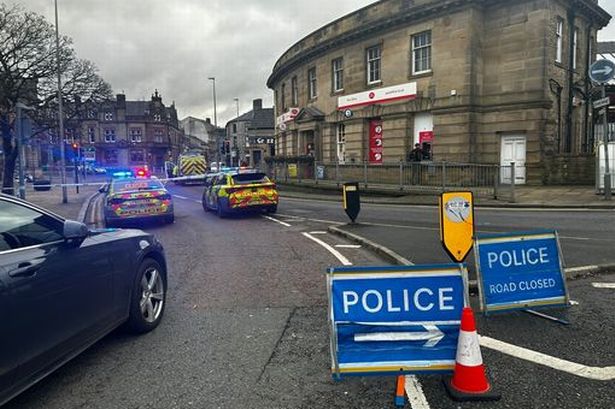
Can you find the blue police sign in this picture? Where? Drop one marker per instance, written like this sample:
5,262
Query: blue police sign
395,320
520,270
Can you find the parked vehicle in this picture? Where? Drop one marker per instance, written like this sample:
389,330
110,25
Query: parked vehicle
240,190
63,287
192,167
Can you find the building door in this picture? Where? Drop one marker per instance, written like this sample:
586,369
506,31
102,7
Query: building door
513,149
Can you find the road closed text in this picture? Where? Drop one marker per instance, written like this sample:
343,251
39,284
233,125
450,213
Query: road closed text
527,285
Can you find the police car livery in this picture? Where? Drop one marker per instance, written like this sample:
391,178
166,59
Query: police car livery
237,190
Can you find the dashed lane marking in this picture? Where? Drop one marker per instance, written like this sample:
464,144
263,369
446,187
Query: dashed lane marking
589,372
348,246
331,250
277,221
318,232
610,286
180,197
415,394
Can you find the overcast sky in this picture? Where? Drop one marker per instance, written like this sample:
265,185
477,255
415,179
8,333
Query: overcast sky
174,45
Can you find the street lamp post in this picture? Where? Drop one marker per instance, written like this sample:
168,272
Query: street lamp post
21,149
213,80
60,112
235,139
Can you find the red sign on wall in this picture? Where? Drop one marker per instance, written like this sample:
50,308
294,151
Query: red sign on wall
425,136
375,142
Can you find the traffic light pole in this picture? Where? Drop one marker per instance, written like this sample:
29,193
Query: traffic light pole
76,163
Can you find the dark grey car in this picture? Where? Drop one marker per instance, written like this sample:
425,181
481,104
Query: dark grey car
63,287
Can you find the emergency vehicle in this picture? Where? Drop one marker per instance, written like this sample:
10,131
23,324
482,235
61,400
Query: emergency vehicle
191,166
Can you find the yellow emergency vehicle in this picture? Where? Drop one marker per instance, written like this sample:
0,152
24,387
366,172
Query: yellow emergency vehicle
191,169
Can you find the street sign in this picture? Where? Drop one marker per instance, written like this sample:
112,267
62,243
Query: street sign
603,102
602,71
351,200
457,224
519,271
395,320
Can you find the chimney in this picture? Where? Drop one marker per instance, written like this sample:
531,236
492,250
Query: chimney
121,101
208,121
257,104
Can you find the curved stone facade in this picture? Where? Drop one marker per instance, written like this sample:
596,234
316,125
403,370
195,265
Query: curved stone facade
465,78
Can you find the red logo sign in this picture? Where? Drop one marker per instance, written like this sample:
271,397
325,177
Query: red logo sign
372,95
375,142
425,136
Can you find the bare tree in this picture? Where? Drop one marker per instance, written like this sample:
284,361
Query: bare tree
28,75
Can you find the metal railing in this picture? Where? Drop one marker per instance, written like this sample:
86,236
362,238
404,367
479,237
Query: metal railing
485,180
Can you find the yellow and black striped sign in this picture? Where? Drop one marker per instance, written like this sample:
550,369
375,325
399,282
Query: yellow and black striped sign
192,166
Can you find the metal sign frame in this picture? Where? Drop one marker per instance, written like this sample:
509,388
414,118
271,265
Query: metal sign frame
417,366
523,304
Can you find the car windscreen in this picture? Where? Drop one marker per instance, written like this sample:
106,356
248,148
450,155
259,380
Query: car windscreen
128,185
247,178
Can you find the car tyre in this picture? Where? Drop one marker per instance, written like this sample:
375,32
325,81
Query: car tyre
204,203
272,209
169,219
148,298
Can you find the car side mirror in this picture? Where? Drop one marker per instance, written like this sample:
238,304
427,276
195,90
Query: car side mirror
103,189
75,231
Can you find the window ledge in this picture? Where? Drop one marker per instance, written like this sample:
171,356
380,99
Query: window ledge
374,84
421,74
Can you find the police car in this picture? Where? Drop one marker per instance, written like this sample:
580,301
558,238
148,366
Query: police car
239,190
134,198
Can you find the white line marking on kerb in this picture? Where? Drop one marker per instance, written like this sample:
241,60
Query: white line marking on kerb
277,221
318,232
589,372
181,197
331,250
348,246
415,394
610,286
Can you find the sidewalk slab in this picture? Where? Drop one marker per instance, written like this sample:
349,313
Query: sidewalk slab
52,200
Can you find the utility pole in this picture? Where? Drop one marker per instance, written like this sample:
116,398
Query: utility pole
235,139
60,112
605,138
213,80
21,148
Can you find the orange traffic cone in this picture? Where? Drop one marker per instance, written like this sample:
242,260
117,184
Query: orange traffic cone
469,381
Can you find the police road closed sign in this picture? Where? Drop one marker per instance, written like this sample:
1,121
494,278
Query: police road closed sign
457,224
394,320
520,270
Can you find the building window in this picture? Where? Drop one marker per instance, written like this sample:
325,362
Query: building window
374,55
337,67
312,92
110,135
158,135
137,156
341,143
283,94
111,156
294,91
136,135
108,116
558,40
234,127
91,135
575,44
91,114
157,117
421,53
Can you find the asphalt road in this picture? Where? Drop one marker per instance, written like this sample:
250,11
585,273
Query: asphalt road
246,325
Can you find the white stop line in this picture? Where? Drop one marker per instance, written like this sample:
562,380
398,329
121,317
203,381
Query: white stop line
604,285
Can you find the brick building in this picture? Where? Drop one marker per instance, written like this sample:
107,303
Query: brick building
124,133
480,81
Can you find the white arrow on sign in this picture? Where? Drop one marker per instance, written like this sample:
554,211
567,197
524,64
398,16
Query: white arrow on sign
432,336
606,71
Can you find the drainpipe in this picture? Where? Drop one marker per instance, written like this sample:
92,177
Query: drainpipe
556,88
568,138
588,147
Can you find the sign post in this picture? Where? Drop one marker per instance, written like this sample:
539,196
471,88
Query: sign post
457,224
601,72
395,320
520,271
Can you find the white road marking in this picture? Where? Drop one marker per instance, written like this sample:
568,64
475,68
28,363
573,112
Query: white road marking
415,394
610,286
318,232
348,246
277,221
589,372
331,250
181,197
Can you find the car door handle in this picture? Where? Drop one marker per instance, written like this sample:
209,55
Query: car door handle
26,269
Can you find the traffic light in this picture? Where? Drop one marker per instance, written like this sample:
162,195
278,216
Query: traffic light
75,146
227,146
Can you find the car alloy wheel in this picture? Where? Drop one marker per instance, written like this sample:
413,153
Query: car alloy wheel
152,294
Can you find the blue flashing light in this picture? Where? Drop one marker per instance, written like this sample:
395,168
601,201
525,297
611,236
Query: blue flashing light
122,174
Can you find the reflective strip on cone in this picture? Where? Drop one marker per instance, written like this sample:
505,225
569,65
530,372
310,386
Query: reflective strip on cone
468,349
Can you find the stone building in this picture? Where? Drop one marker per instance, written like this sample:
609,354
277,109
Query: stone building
201,136
478,81
124,133
251,135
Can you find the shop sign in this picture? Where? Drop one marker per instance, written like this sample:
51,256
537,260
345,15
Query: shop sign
426,137
375,142
377,96
287,117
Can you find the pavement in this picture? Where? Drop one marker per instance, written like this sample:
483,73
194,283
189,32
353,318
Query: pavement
525,196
